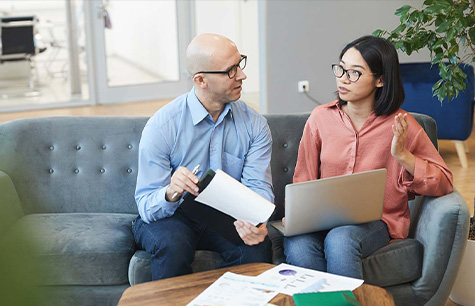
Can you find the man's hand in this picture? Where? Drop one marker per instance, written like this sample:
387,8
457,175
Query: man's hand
250,234
182,180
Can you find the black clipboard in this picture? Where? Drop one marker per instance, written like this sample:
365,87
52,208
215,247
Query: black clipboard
205,215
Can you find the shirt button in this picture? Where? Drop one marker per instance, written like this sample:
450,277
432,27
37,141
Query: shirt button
51,148
103,147
76,171
103,170
285,169
78,148
129,170
130,146
285,145
51,170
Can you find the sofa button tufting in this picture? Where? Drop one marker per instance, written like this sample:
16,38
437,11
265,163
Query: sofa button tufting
285,145
76,171
130,146
129,170
51,170
103,170
51,148
78,148
103,147
285,169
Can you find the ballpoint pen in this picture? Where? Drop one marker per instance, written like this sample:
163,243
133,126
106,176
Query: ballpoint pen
195,170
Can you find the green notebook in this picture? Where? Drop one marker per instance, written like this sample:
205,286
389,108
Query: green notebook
336,298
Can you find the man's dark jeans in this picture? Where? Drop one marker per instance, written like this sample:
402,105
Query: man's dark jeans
173,241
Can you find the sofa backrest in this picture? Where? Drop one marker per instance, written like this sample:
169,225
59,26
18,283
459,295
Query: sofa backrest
286,134
89,164
72,164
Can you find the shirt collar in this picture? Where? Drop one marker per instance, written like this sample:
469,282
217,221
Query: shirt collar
332,104
371,117
197,110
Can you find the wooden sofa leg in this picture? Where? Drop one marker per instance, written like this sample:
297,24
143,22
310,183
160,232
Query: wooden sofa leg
460,146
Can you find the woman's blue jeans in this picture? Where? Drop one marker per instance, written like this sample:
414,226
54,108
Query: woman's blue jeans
337,251
172,242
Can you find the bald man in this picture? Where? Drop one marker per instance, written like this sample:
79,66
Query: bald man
211,127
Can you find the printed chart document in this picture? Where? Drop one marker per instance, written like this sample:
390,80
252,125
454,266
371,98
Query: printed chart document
226,194
236,290
294,279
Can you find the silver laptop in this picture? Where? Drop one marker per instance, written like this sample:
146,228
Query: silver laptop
327,203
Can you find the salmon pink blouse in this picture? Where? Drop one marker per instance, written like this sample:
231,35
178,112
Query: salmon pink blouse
330,146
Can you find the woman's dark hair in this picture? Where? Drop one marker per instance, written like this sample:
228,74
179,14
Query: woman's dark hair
382,59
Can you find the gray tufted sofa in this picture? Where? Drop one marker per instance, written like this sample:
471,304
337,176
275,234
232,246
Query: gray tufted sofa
69,183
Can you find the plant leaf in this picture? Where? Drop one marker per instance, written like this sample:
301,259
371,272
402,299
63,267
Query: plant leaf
444,26
379,33
437,44
399,29
437,85
451,33
471,34
402,10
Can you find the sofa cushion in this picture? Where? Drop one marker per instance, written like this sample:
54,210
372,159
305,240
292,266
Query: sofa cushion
397,263
80,248
140,271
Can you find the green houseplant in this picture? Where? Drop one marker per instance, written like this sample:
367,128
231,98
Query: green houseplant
447,29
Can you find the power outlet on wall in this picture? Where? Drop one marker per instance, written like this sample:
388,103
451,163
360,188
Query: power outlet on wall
303,86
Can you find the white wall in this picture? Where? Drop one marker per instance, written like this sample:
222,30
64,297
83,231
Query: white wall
303,39
237,20
145,33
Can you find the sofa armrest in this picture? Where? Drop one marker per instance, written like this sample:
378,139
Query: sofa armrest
442,228
10,207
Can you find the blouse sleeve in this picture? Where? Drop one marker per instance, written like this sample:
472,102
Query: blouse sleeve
431,177
308,160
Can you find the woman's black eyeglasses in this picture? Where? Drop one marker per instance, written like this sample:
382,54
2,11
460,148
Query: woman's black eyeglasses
231,72
353,75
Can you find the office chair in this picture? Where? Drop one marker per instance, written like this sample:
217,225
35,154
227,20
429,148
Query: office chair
17,42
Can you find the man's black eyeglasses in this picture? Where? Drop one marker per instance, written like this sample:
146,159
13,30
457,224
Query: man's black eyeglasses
353,75
231,72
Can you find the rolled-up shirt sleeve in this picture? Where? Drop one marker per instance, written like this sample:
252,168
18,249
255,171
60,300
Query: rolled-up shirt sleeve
154,175
431,177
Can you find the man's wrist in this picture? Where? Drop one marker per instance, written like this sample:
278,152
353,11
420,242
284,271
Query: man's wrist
168,196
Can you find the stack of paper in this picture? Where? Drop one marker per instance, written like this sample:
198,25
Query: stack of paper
234,289
292,279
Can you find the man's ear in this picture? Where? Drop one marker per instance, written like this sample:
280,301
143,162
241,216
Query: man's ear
380,82
200,81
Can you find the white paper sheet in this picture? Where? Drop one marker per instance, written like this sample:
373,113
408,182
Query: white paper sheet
226,194
294,279
236,290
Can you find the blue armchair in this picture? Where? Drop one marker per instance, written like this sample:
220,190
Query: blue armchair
455,118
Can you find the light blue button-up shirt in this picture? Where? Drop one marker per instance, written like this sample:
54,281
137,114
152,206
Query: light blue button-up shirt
183,133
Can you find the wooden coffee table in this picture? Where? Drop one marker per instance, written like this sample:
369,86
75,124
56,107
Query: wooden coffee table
183,289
